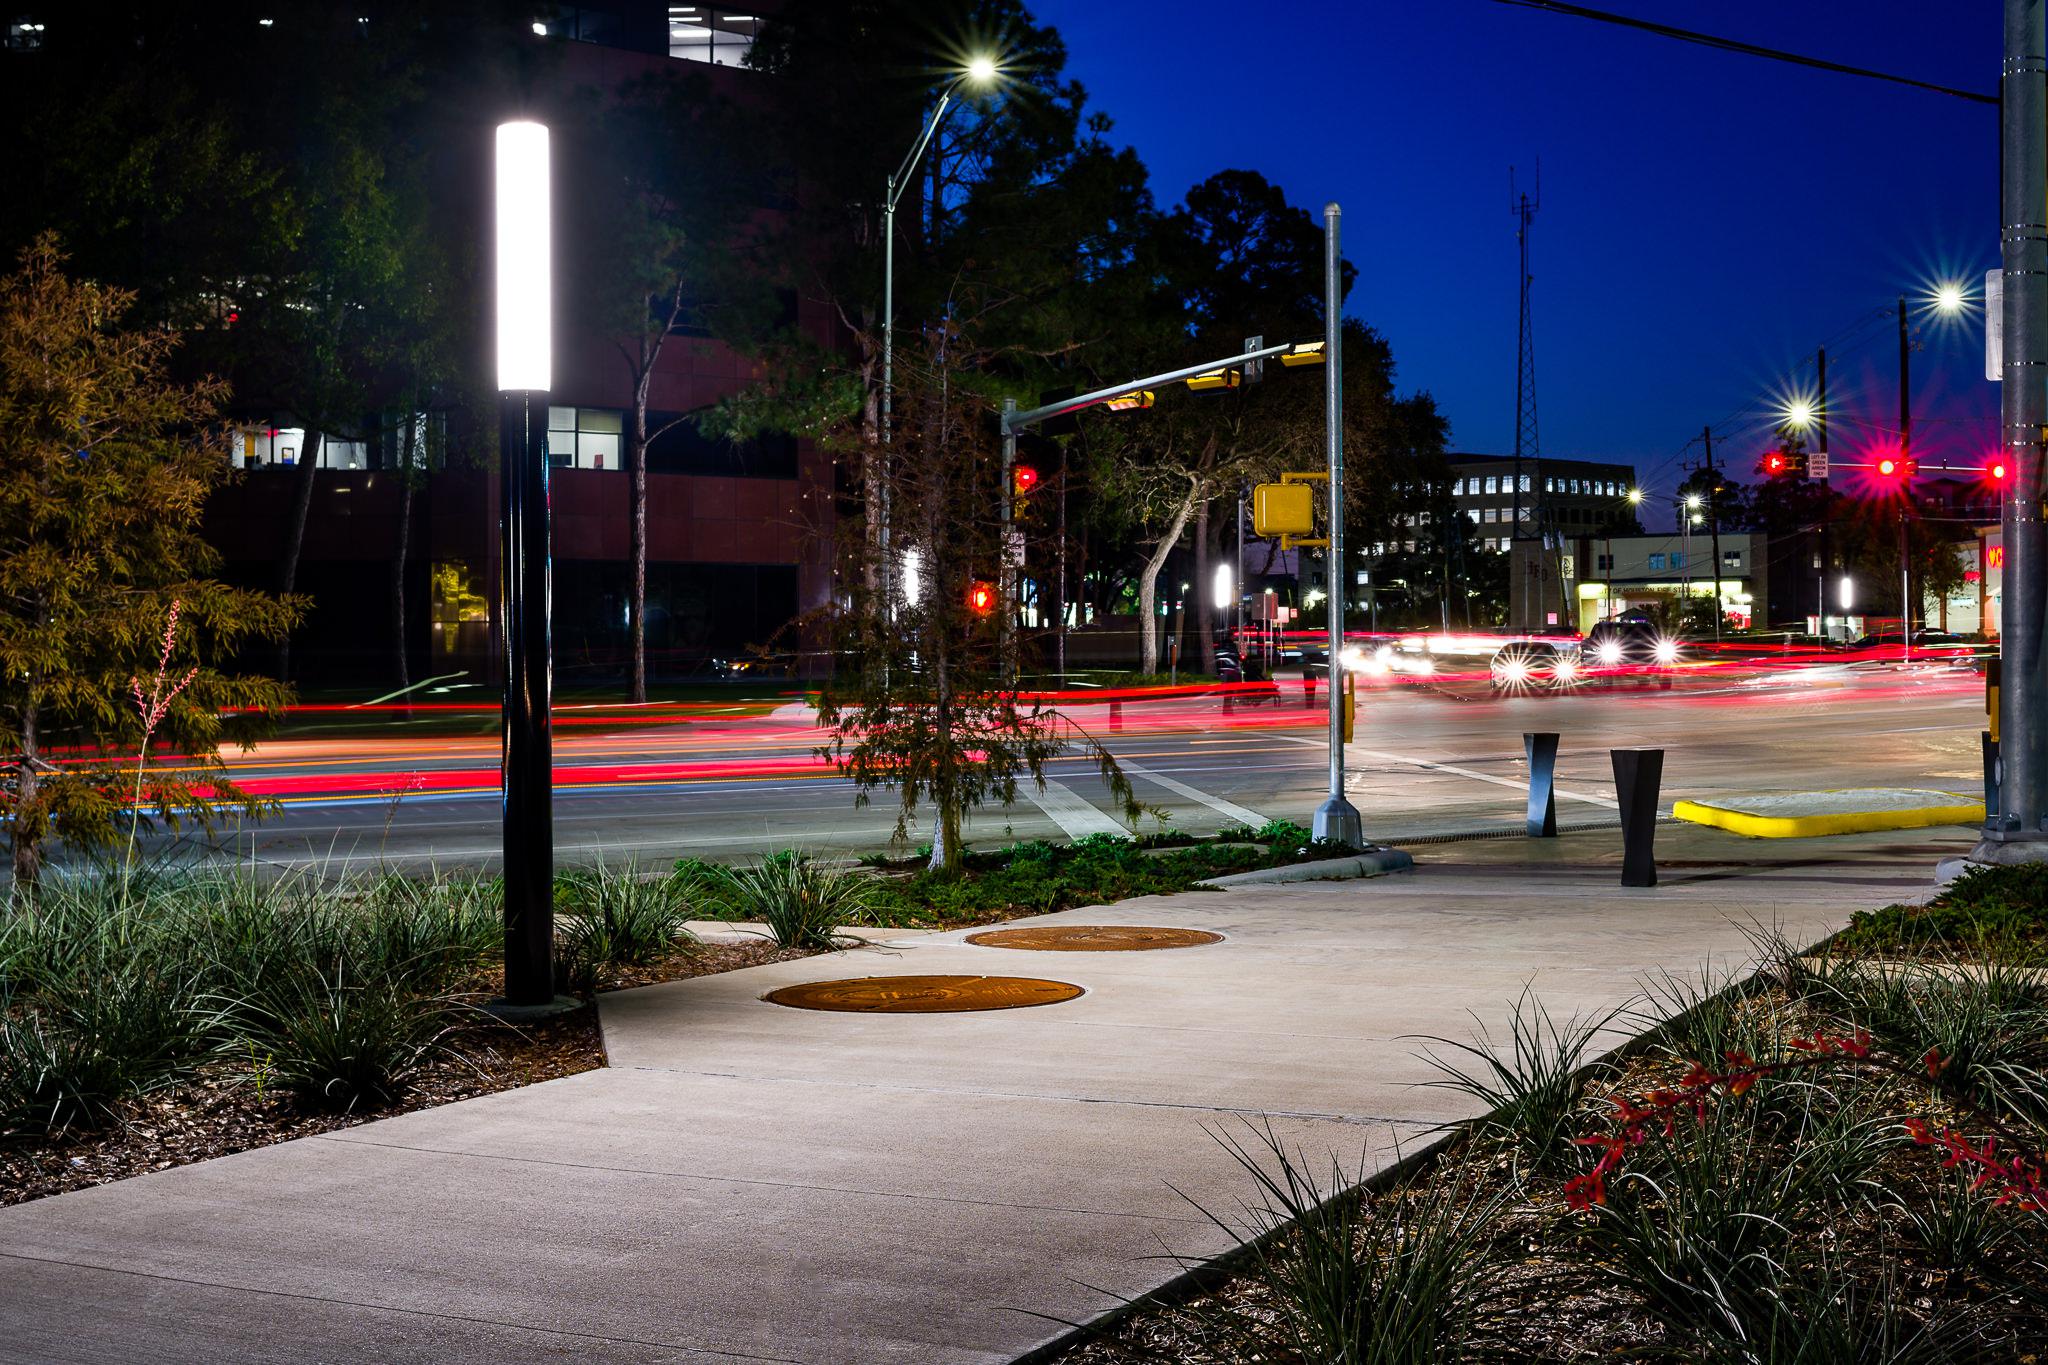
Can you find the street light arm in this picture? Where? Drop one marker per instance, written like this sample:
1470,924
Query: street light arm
899,181
1017,421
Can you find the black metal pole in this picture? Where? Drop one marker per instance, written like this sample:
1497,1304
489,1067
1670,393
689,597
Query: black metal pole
528,761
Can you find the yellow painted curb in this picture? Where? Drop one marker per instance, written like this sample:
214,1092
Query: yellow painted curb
1965,812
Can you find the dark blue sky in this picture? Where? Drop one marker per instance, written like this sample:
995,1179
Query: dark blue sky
1707,219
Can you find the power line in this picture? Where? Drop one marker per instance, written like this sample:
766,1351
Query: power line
1686,35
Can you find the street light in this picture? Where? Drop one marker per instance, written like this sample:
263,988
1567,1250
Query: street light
525,374
980,71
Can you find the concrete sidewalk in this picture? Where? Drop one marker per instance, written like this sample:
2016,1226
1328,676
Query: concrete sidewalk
758,1183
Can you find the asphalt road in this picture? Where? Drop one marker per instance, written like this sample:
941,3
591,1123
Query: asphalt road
1425,762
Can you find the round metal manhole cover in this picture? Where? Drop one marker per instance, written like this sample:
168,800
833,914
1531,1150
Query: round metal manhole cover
923,994
1093,938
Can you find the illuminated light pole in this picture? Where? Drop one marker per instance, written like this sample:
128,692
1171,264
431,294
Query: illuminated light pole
525,374
980,72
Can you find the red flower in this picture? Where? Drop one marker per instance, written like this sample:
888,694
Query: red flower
1935,1063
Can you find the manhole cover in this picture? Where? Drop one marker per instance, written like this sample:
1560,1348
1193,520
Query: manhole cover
923,994
1093,938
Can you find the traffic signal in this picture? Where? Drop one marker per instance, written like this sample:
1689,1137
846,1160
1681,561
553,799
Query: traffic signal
981,597
1024,478
1899,467
1130,402
1210,381
1784,464
1995,471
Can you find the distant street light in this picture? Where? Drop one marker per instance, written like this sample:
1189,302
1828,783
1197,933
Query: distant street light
1635,497
1949,298
525,327
1221,586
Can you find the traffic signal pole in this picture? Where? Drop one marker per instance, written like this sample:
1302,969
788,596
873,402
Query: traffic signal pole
1336,820
2014,833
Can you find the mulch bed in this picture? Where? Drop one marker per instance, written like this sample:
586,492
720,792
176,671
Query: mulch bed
219,1115
1550,1299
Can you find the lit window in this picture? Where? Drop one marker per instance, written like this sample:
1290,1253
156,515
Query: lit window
585,438
697,33
1489,484
1525,483
1656,562
1493,514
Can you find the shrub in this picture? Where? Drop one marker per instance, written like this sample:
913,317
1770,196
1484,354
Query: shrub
1532,1092
1365,1280
801,902
335,1040
1992,911
615,917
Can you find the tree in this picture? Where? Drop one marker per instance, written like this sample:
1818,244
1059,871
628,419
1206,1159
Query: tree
925,703
660,246
105,464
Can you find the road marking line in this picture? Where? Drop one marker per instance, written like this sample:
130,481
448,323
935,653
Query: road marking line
1520,786
1067,809
1249,818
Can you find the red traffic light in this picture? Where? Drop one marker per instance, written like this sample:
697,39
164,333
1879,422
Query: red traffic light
1887,467
981,597
1774,463
1024,478
1996,471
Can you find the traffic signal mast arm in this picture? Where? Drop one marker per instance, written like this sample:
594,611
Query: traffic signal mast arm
1017,421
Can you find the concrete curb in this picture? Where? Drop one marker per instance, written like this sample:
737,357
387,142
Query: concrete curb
1376,862
1961,811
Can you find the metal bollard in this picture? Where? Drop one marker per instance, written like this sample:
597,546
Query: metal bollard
1541,750
1637,775
1991,774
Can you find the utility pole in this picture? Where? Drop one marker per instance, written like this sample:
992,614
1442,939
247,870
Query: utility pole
1059,621
1713,526
1006,581
2015,833
1336,820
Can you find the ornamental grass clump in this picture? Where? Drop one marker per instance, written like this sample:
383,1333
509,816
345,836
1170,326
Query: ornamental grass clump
1533,1087
803,904
336,1039
1359,1278
614,916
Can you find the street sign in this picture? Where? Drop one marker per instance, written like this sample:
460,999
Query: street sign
1994,325
1817,465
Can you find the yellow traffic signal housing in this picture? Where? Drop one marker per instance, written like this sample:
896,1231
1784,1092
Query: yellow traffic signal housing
1128,402
1304,353
1349,714
1214,379
1283,509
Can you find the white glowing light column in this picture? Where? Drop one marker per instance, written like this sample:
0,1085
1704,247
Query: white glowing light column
525,354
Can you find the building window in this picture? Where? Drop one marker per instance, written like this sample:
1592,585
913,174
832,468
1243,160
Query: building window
1678,559
585,438
261,447
1604,562
1473,513
1493,514
1732,558
1525,483
1656,562
722,37
1490,481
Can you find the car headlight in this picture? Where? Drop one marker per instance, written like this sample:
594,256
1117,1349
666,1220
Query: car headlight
1667,651
1566,671
1515,671
1609,652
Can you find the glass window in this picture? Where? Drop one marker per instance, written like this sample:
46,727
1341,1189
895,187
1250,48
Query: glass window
585,438
1493,514
698,33
1489,484
1656,561
1678,559
1732,558
1525,483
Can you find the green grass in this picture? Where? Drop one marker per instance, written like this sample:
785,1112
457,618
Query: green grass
1996,912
